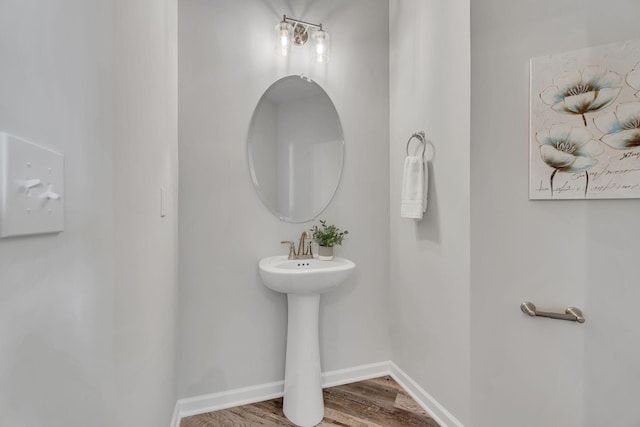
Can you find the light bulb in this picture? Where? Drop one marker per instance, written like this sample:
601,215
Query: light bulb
284,32
321,45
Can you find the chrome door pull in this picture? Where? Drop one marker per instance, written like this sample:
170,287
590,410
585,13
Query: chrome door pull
572,313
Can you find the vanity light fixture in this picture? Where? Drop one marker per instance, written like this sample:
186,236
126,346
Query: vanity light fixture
293,31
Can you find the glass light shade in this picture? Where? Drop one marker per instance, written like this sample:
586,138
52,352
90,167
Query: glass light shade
284,34
321,45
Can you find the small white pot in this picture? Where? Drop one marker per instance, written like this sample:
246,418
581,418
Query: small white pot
325,253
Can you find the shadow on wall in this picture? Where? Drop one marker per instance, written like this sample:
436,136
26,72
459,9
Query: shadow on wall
280,7
287,7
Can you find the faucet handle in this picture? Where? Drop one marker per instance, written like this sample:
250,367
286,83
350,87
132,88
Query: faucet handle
292,248
309,242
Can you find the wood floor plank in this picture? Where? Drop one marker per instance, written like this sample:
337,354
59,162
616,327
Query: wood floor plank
379,402
333,417
387,383
404,401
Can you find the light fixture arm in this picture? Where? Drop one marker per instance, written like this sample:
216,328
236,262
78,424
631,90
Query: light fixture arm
297,21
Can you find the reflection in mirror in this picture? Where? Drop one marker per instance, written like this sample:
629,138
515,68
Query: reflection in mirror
296,149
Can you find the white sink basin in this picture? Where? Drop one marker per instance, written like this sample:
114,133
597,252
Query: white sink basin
297,276
303,280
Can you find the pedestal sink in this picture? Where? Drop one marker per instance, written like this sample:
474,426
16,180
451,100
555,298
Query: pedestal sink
303,280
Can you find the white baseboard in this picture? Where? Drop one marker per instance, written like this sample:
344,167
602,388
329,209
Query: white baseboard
175,420
424,399
355,374
247,395
229,399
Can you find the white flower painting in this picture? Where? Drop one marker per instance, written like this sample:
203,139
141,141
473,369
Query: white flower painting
568,149
633,79
585,124
583,91
621,127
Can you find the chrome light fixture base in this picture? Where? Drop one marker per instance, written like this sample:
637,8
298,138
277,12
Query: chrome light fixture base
300,34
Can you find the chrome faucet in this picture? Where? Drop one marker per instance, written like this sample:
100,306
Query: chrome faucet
304,247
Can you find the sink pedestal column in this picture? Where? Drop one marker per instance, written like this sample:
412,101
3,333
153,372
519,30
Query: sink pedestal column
303,404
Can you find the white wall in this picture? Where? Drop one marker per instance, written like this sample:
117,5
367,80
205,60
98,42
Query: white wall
232,328
530,372
86,316
429,286
56,293
145,159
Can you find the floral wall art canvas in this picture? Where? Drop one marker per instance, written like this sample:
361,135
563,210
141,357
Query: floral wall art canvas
585,124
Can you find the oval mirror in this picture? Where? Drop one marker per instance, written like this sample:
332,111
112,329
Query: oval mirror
296,149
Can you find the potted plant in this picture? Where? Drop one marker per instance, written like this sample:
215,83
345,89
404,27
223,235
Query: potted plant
327,236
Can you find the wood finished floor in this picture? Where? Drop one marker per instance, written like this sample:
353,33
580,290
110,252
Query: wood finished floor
379,402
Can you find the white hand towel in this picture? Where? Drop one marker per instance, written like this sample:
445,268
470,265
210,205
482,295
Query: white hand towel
425,191
414,188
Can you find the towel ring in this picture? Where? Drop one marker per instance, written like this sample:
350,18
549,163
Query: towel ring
420,137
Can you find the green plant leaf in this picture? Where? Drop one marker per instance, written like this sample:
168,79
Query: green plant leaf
328,235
